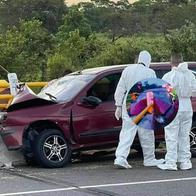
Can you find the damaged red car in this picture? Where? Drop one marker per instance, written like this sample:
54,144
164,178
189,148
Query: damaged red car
71,114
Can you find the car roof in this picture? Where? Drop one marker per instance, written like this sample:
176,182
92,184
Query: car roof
97,70
154,65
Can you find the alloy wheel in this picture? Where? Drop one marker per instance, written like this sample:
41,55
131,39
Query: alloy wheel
193,139
55,148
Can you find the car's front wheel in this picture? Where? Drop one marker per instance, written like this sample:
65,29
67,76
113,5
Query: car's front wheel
51,149
193,141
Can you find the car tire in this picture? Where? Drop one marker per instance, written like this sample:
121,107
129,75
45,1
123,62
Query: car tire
51,149
193,141
28,153
30,160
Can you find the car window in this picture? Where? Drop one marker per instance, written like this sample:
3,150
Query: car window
160,73
193,69
65,88
105,87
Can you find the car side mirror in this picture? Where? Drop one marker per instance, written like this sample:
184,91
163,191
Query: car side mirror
91,100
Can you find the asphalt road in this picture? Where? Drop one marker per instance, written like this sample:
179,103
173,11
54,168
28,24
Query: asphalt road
95,175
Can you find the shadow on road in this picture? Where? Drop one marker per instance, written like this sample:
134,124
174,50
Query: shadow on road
94,156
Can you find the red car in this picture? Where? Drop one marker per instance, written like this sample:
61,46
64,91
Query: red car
72,113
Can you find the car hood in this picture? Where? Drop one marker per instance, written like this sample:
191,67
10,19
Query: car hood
27,98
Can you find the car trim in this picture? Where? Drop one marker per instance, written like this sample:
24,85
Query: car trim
105,132
4,133
14,147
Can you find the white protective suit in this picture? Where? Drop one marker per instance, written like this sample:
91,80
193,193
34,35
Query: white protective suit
177,132
131,75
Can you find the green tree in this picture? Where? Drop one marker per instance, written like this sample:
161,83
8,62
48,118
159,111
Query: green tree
124,51
123,4
74,20
50,12
25,50
178,1
94,14
74,53
104,3
183,41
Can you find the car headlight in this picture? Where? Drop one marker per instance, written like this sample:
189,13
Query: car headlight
3,116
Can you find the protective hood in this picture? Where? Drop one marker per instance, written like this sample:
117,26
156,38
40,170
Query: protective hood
181,79
182,67
144,58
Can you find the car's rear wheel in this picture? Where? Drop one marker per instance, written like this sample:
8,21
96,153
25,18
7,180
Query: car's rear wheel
51,149
193,141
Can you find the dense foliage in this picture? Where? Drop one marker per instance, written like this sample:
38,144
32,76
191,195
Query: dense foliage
45,39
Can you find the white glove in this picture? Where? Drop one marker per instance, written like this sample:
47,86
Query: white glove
118,112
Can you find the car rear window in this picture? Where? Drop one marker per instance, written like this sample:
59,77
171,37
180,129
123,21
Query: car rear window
161,72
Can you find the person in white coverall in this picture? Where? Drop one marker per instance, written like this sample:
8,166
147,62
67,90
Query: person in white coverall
177,132
131,75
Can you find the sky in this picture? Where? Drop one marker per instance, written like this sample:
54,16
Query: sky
71,2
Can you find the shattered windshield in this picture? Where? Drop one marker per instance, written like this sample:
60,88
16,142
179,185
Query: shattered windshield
65,88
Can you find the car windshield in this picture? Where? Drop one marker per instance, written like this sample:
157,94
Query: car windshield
65,88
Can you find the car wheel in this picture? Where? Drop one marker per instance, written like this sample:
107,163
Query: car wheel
28,153
51,149
193,141
30,160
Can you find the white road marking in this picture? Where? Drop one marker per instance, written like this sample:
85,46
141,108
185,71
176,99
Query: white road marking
98,186
7,177
39,191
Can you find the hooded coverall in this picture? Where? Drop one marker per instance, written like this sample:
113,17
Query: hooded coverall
177,132
131,75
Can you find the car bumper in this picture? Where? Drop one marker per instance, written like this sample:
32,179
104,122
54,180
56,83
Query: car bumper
12,137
